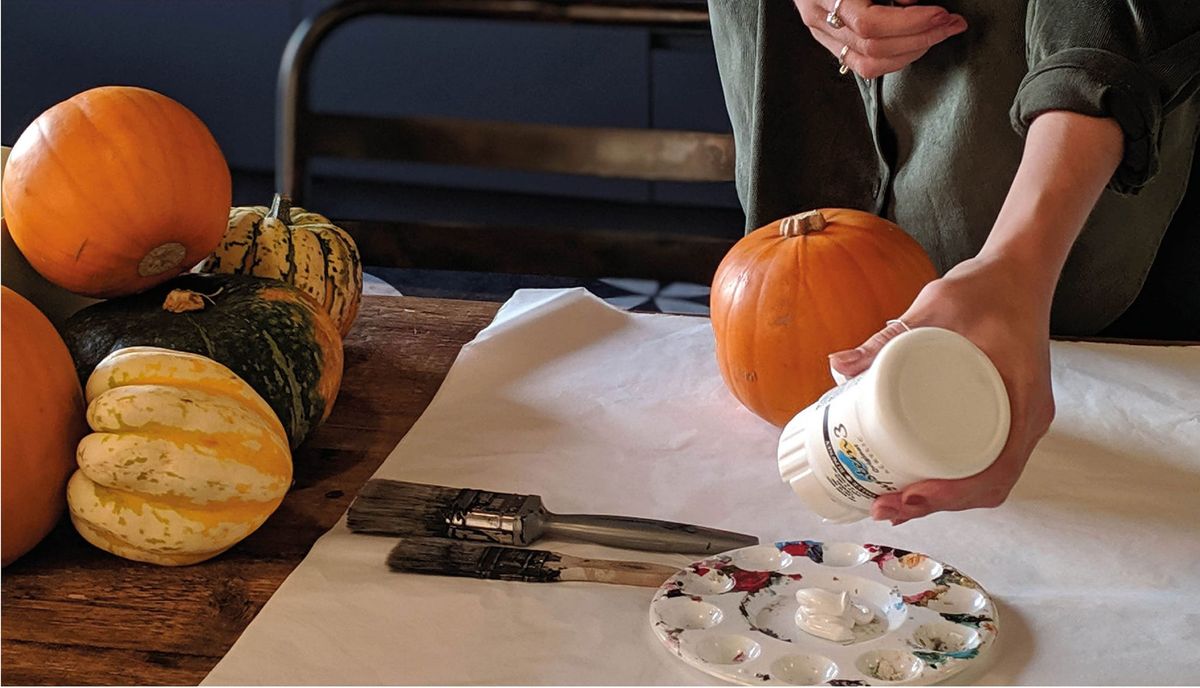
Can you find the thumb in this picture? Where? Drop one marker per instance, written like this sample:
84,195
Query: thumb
851,362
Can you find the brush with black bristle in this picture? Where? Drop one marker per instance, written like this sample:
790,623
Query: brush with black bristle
392,507
442,557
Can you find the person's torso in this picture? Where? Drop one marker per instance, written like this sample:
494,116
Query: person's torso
946,150
944,126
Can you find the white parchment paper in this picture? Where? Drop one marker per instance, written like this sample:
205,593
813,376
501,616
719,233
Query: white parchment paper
1095,558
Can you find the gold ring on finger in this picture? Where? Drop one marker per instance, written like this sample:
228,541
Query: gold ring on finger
842,66
832,18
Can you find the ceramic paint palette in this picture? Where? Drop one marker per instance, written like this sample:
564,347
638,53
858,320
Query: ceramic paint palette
734,616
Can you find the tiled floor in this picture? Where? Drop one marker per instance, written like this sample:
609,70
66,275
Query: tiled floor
641,295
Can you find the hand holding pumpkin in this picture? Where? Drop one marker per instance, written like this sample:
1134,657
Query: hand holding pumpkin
994,304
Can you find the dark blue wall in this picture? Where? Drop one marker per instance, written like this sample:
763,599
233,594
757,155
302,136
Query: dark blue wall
219,57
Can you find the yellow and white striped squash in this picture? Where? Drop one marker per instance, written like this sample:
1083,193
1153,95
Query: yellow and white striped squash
295,246
185,460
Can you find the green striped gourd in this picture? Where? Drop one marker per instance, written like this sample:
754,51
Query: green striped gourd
269,333
294,246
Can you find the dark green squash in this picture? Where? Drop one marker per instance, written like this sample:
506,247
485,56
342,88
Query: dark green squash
271,334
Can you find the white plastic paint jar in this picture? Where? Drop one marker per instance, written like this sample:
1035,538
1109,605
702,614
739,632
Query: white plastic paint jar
931,405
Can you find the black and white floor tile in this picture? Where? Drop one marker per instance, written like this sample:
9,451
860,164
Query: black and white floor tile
680,298
641,295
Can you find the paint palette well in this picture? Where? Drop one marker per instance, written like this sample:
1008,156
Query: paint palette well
734,616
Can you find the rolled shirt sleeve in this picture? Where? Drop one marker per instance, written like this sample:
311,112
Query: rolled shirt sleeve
1130,61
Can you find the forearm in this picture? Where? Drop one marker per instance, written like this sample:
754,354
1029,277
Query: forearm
1067,161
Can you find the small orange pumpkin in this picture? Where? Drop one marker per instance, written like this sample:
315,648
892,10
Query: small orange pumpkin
116,190
43,421
789,294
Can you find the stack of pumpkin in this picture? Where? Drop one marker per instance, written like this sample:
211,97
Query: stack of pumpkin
196,386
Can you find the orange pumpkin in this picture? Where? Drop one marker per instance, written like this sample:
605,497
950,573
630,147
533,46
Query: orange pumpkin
116,190
789,294
43,421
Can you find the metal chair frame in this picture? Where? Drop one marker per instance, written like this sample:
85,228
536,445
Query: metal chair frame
639,154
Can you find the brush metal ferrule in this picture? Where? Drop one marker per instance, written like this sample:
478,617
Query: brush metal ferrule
495,517
506,563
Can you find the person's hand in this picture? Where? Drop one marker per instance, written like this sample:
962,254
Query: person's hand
881,39
995,304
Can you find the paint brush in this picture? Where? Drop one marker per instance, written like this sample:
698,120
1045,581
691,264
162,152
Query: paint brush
442,557
392,507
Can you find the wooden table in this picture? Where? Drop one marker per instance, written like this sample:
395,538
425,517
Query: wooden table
76,615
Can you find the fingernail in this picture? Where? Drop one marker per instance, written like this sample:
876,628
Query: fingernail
846,357
886,513
914,500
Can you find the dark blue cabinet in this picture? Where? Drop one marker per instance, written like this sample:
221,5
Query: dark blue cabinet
217,57
220,58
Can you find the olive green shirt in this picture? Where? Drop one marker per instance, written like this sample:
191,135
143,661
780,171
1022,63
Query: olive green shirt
942,138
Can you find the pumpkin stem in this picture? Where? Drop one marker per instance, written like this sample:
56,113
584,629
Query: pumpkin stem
803,223
186,300
183,301
281,209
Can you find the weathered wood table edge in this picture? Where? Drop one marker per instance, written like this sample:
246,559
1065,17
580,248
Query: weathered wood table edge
72,614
